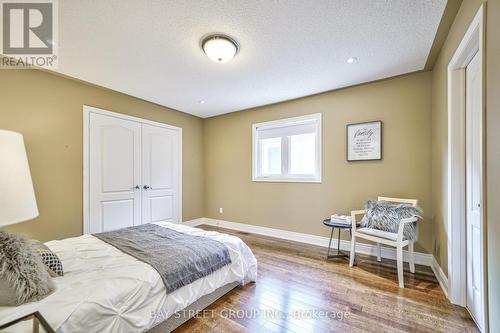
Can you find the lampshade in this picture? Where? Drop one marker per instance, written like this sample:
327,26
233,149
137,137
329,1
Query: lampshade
17,197
220,48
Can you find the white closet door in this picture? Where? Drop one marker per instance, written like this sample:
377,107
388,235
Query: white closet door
474,189
115,173
160,174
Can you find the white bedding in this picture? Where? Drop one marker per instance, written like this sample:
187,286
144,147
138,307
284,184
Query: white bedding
106,290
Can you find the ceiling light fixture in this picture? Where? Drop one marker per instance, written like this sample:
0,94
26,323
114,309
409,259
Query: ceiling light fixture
201,102
352,60
219,48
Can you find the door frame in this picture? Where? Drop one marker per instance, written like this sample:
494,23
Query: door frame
87,110
471,44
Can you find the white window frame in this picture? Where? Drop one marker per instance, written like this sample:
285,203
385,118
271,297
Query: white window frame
257,177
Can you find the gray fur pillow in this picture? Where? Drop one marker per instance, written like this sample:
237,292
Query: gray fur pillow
23,276
383,215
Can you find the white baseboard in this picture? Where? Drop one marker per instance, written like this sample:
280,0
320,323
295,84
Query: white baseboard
440,276
369,249
194,222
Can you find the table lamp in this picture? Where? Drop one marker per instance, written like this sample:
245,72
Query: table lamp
17,197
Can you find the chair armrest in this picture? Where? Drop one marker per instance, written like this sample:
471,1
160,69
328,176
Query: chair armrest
410,219
403,223
353,217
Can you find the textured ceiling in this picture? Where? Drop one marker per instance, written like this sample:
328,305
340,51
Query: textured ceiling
289,49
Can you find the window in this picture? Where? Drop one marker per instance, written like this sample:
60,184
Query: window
288,150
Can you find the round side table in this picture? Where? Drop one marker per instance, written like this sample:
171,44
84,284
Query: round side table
339,226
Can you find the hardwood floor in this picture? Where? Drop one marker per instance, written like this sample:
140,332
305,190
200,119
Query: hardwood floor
299,291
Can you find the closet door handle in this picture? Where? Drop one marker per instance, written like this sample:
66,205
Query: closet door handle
137,187
146,187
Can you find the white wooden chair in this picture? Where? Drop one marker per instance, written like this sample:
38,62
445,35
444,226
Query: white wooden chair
396,240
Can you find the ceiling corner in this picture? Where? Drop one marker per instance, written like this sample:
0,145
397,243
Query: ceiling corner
450,12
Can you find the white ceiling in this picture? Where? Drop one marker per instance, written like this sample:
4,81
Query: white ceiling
150,49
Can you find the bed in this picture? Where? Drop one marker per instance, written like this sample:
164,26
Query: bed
105,290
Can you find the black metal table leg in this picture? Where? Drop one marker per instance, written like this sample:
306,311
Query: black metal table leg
338,242
329,244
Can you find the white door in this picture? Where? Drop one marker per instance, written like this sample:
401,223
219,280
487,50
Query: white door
161,174
474,190
115,173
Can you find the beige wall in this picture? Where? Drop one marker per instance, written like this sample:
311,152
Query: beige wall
47,109
493,161
440,129
403,104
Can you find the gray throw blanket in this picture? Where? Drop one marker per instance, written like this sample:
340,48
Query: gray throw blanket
179,258
383,215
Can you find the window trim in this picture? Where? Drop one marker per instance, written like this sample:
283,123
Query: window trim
287,178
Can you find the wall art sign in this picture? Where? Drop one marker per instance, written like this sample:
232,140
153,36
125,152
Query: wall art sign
364,141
